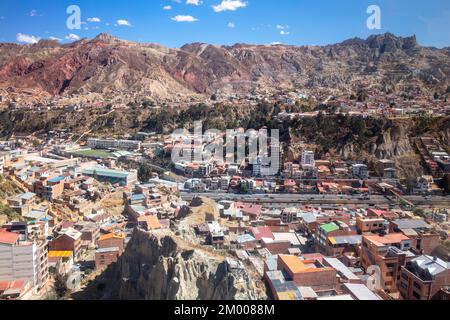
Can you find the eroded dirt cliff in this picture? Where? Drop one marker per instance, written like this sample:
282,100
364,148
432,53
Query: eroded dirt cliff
161,266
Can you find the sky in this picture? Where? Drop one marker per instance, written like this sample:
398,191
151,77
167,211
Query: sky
225,22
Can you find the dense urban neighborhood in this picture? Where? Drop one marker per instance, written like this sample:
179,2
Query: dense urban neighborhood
320,229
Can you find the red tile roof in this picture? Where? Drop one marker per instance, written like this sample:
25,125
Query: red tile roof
251,209
7,285
262,232
8,237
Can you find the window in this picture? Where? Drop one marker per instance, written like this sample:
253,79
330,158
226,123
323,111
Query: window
417,285
416,295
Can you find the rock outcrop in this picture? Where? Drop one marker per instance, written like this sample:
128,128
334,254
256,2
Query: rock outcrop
160,266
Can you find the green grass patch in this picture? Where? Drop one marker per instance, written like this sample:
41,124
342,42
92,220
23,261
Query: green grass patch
100,154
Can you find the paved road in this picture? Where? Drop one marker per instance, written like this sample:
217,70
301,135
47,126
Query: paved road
282,199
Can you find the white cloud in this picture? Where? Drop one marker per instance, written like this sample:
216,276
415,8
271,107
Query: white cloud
231,25
123,22
54,38
194,2
230,5
280,27
181,18
284,33
25,38
33,13
276,43
167,8
94,19
72,37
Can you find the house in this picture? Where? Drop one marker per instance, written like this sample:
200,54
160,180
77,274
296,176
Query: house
112,240
253,211
106,256
331,229
307,273
260,233
423,277
377,213
216,235
424,241
389,252
149,222
360,171
67,240
90,232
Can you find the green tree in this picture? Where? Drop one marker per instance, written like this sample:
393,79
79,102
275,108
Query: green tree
144,173
61,285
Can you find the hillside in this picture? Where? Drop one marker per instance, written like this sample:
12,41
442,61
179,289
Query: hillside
106,66
7,189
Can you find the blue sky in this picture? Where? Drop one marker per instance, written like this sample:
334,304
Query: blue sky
297,22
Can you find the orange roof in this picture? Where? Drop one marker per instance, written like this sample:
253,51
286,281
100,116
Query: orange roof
293,263
8,237
111,236
387,239
152,222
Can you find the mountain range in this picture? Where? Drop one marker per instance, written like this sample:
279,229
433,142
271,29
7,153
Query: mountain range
107,65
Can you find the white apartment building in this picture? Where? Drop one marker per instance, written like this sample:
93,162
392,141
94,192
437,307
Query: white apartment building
113,144
22,260
308,158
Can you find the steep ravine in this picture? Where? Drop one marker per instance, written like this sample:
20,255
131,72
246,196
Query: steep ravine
160,266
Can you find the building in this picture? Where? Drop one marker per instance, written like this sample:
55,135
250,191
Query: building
112,240
149,222
308,158
423,278
374,225
110,248
389,253
386,168
68,240
22,260
123,178
424,240
360,291
307,273
216,235
131,145
106,256
329,230
360,171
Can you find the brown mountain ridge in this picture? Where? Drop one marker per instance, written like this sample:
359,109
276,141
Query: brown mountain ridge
108,65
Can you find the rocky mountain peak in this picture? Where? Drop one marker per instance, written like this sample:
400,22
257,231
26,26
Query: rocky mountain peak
388,42
106,37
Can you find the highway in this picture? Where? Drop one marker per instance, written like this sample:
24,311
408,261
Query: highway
283,200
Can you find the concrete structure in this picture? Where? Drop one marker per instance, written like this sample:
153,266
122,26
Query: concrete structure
23,260
122,178
389,252
423,278
114,144
308,158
